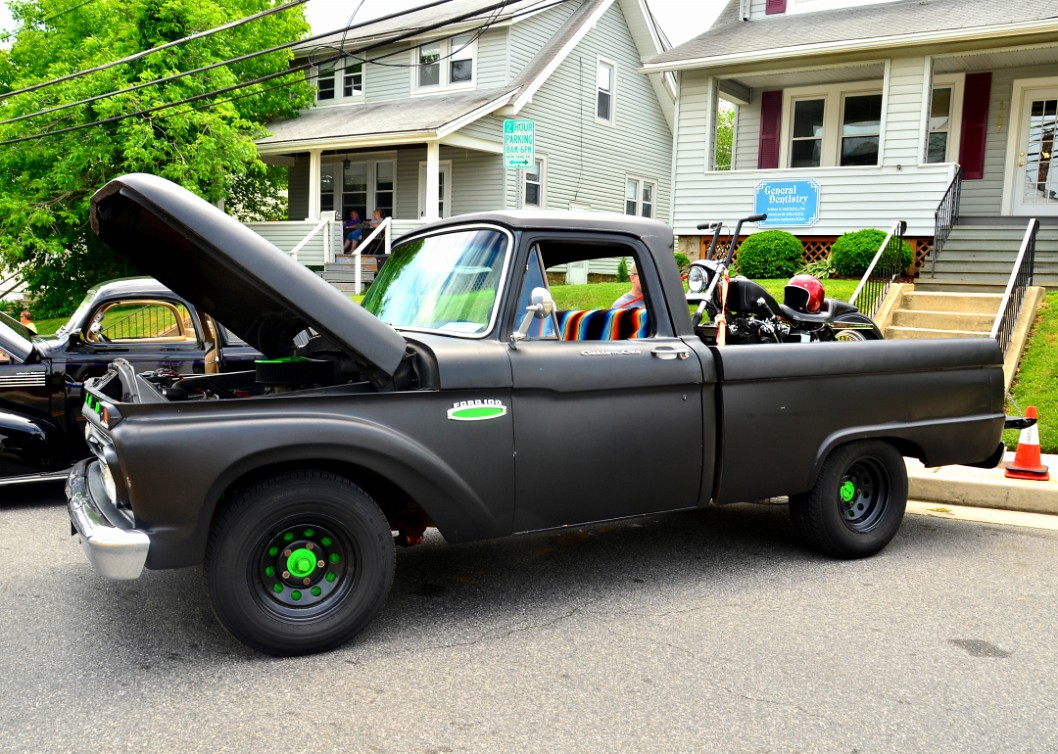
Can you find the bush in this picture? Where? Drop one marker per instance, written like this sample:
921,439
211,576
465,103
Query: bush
853,252
821,268
770,254
682,262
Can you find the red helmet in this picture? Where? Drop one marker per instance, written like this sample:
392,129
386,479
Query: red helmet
804,293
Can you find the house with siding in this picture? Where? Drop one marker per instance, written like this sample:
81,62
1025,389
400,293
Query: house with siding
874,111
410,116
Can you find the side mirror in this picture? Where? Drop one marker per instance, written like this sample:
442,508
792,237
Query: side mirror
541,306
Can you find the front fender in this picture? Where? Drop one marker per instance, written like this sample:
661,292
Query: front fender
29,444
175,494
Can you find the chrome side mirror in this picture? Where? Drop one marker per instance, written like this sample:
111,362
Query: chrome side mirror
541,306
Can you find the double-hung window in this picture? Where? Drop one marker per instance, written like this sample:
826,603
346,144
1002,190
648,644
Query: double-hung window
639,197
840,125
533,190
944,124
605,90
340,81
445,63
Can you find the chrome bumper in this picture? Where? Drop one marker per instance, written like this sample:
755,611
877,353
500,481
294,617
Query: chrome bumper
114,551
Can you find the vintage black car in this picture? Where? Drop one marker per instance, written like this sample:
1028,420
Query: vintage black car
42,378
466,395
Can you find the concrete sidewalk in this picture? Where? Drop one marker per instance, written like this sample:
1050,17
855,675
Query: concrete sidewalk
984,488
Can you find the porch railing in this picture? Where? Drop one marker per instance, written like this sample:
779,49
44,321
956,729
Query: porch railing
323,226
1017,285
945,217
882,272
385,230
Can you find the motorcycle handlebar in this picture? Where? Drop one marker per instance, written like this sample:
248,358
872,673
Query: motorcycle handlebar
708,226
755,218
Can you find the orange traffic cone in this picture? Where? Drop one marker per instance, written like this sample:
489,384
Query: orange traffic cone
1027,463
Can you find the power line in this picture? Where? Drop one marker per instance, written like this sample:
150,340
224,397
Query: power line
159,48
287,72
8,34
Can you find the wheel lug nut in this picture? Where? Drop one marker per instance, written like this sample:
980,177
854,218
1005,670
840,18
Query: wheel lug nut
320,564
306,582
286,574
286,553
308,546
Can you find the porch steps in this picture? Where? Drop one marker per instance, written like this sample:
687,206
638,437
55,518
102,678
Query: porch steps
341,273
978,257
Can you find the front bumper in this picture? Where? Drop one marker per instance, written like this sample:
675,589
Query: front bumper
114,549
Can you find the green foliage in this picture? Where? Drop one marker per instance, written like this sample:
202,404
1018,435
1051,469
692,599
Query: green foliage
622,271
725,132
1037,376
682,262
852,252
821,268
206,146
770,254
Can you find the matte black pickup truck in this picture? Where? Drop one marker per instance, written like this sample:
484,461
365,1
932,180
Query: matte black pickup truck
466,395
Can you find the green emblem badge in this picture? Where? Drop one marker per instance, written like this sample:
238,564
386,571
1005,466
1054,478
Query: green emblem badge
473,411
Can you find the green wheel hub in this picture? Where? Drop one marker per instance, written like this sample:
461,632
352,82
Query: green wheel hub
847,491
303,567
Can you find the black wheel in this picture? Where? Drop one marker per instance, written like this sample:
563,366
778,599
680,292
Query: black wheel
857,503
857,335
299,563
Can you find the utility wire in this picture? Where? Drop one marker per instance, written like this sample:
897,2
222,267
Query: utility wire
8,34
167,45
262,79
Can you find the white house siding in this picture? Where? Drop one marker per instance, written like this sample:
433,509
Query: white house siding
587,162
527,36
903,103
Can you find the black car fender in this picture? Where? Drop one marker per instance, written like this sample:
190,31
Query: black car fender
29,441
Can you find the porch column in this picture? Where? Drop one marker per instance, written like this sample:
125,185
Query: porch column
433,180
315,173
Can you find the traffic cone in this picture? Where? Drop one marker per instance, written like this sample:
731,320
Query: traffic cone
1027,463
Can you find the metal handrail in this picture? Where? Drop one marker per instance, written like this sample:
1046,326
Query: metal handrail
945,217
326,218
882,272
1017,285
384,228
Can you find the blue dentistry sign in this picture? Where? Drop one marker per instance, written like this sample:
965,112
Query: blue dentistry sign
791,203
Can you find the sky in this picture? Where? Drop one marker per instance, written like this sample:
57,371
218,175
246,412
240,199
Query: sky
680,19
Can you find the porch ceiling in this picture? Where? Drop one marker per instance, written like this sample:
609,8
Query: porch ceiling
380,124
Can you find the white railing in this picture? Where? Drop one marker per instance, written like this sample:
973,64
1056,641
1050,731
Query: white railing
384,228
326,218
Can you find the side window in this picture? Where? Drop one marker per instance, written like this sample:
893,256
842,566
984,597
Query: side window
535,278
605,86
533,191
142,321
592,303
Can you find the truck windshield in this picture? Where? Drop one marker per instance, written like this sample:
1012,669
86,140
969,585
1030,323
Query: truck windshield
446,282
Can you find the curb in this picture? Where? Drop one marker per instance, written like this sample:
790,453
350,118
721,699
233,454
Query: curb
983,488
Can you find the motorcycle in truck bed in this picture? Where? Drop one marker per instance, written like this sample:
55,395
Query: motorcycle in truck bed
466,395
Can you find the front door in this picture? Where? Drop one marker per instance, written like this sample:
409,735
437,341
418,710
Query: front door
1036,164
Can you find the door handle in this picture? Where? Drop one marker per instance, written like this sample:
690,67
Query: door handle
667,353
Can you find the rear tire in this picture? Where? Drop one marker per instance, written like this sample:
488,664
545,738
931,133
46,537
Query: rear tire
856,336
857,503
299,563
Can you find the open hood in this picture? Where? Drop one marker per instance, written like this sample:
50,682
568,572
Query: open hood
227,270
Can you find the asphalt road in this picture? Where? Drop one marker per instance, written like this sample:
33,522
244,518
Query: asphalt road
710,631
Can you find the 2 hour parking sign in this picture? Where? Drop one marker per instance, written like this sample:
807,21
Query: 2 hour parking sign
519,143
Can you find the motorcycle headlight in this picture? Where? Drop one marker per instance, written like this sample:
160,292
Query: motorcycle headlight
696,279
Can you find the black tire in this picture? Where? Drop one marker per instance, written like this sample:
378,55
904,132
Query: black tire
856,336
858,501
299,563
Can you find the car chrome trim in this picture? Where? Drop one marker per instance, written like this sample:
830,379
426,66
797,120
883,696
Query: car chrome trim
114,551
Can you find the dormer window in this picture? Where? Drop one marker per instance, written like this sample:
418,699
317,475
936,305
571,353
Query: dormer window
351,75
445,63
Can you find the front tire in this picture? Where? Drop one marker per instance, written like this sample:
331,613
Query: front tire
299,563
857,503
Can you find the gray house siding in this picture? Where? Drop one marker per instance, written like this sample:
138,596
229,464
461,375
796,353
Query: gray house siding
586,162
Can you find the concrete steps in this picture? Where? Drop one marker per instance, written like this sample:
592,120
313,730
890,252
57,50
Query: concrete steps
979,257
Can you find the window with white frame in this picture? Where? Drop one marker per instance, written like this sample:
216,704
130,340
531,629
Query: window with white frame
943,127
839,125
445,63
335,81
533,185
639,197
605,90
366,185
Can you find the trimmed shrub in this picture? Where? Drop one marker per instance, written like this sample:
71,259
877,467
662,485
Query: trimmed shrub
682,262
770,254
852,253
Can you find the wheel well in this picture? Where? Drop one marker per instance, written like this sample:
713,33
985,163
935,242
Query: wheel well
401,511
